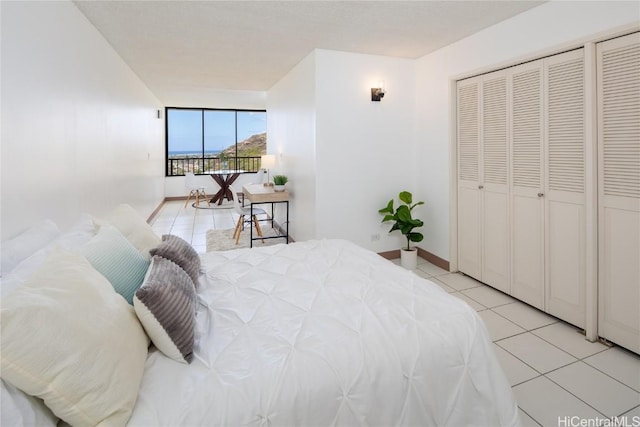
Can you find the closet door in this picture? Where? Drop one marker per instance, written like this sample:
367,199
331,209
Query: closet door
527,191
565,228
618,79
469,201
494,182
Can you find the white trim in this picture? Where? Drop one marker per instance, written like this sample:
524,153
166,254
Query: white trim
591,192
453,177
564,47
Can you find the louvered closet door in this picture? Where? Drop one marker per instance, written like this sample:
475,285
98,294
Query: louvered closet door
494,181
468,132
527,207
618,79
565,228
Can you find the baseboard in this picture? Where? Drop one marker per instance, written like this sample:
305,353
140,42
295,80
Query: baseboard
390,254
174,198
156,211
162,203
278,227
281,230
433,259
426,255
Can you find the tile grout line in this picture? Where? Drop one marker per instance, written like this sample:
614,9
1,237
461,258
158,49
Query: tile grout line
606,374
523,327
580,399
525,330
529,415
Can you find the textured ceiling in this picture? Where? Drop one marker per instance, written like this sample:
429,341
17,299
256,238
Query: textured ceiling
250,45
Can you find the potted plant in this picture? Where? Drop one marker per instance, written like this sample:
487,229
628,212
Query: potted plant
403,221
279,181
224,162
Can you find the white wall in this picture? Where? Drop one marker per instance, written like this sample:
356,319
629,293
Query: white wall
291,118
528,35
216,98
346,156
79,129
364,153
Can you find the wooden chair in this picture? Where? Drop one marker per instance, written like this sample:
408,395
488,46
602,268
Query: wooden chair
244,211
195,189
259,178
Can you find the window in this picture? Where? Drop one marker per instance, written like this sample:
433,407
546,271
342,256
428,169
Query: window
200,140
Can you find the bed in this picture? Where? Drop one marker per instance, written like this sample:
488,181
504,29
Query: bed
313,333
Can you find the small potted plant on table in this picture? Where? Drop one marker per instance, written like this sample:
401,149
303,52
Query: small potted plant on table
403,221
279,181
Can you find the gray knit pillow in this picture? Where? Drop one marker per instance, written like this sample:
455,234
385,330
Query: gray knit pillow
182,253
166,306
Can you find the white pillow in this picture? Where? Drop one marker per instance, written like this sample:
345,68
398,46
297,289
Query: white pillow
25,244
133,227
118,260
69,339
74,238
80,233
20,409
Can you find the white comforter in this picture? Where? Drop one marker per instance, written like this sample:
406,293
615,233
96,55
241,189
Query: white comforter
326,333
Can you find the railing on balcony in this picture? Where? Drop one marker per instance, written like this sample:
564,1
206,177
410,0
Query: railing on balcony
178,165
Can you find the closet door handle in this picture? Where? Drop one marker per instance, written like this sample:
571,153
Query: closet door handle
480,187
540,194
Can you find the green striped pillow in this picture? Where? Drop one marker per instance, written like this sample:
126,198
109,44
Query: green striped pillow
113,256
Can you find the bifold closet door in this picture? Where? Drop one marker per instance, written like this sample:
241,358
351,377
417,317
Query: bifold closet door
469,200
618,80
527,191
494,181
565,210
483,203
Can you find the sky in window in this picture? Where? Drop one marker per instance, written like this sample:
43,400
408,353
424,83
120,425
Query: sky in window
185,129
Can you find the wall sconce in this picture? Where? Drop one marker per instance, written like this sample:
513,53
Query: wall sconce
267,162
377,93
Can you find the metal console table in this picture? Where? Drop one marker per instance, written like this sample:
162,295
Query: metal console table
259,194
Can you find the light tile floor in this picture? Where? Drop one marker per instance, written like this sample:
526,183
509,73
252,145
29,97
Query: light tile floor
558,378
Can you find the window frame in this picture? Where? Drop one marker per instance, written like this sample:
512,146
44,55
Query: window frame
202,146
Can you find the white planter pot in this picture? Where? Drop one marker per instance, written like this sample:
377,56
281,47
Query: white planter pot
409,258
278,187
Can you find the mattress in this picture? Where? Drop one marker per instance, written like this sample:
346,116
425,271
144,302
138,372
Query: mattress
326,333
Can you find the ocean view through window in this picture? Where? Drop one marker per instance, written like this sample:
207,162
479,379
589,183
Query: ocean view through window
201,140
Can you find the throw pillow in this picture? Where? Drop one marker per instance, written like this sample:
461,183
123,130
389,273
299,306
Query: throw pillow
182,253
132,226
15,250
70,340
75,237
166,306
118,260
20,409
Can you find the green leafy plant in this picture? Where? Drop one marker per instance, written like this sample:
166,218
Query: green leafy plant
402,219
280,179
